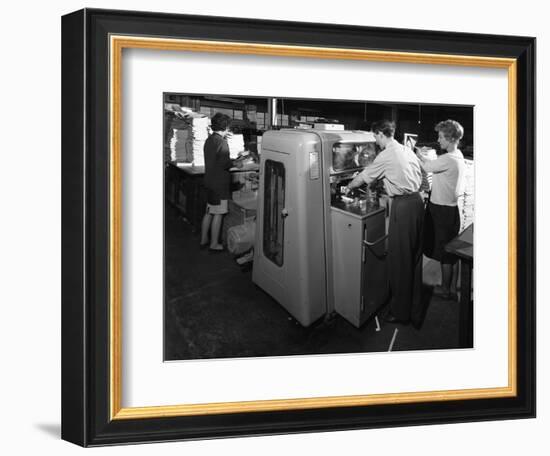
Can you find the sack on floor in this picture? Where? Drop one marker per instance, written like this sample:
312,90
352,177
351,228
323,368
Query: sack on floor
240,238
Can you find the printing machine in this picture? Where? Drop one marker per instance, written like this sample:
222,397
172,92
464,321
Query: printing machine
318,251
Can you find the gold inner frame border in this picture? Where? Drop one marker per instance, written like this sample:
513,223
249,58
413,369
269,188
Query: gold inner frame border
120,42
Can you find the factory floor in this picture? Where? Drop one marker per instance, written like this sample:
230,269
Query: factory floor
213,310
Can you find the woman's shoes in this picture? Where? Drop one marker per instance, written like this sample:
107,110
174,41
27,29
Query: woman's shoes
206,245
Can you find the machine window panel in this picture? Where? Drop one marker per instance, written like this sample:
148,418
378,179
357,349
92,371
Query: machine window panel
274,198
352,155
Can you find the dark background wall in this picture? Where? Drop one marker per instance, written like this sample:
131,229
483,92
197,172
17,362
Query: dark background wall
418,119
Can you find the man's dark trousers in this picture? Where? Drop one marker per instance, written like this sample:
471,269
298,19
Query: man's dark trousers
405,256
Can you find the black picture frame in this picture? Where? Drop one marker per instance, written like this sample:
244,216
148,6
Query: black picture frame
86,337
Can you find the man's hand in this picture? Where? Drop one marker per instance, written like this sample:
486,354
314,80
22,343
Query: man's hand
345,190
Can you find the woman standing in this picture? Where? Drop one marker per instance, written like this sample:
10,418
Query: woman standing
217,180
447,185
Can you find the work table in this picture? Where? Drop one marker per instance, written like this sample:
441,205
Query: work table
199,169
185,189
361,209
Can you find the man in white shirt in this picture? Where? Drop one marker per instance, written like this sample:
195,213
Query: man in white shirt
447,185
399,169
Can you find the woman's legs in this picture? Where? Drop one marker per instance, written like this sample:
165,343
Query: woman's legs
449,278
212,224
215,232
205,227
446,227
446,277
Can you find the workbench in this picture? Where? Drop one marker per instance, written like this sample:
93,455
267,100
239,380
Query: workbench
184,188
463,248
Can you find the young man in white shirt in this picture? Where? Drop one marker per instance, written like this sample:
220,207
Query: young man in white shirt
399,169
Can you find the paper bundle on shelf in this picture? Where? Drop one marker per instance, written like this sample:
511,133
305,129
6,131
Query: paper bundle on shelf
236,145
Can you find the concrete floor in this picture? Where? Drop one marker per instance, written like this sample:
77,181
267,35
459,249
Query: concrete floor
213,310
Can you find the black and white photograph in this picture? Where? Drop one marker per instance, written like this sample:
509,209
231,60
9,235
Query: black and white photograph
297,226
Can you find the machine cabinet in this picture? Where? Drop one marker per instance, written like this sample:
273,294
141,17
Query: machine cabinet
308,254
359,267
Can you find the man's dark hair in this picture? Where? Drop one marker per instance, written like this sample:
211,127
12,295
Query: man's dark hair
220,122
387,127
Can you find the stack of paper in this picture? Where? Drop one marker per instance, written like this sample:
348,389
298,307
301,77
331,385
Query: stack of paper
178,146
199,134
187,143
466,200
236,145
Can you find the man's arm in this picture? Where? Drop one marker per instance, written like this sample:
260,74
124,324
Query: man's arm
372,172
